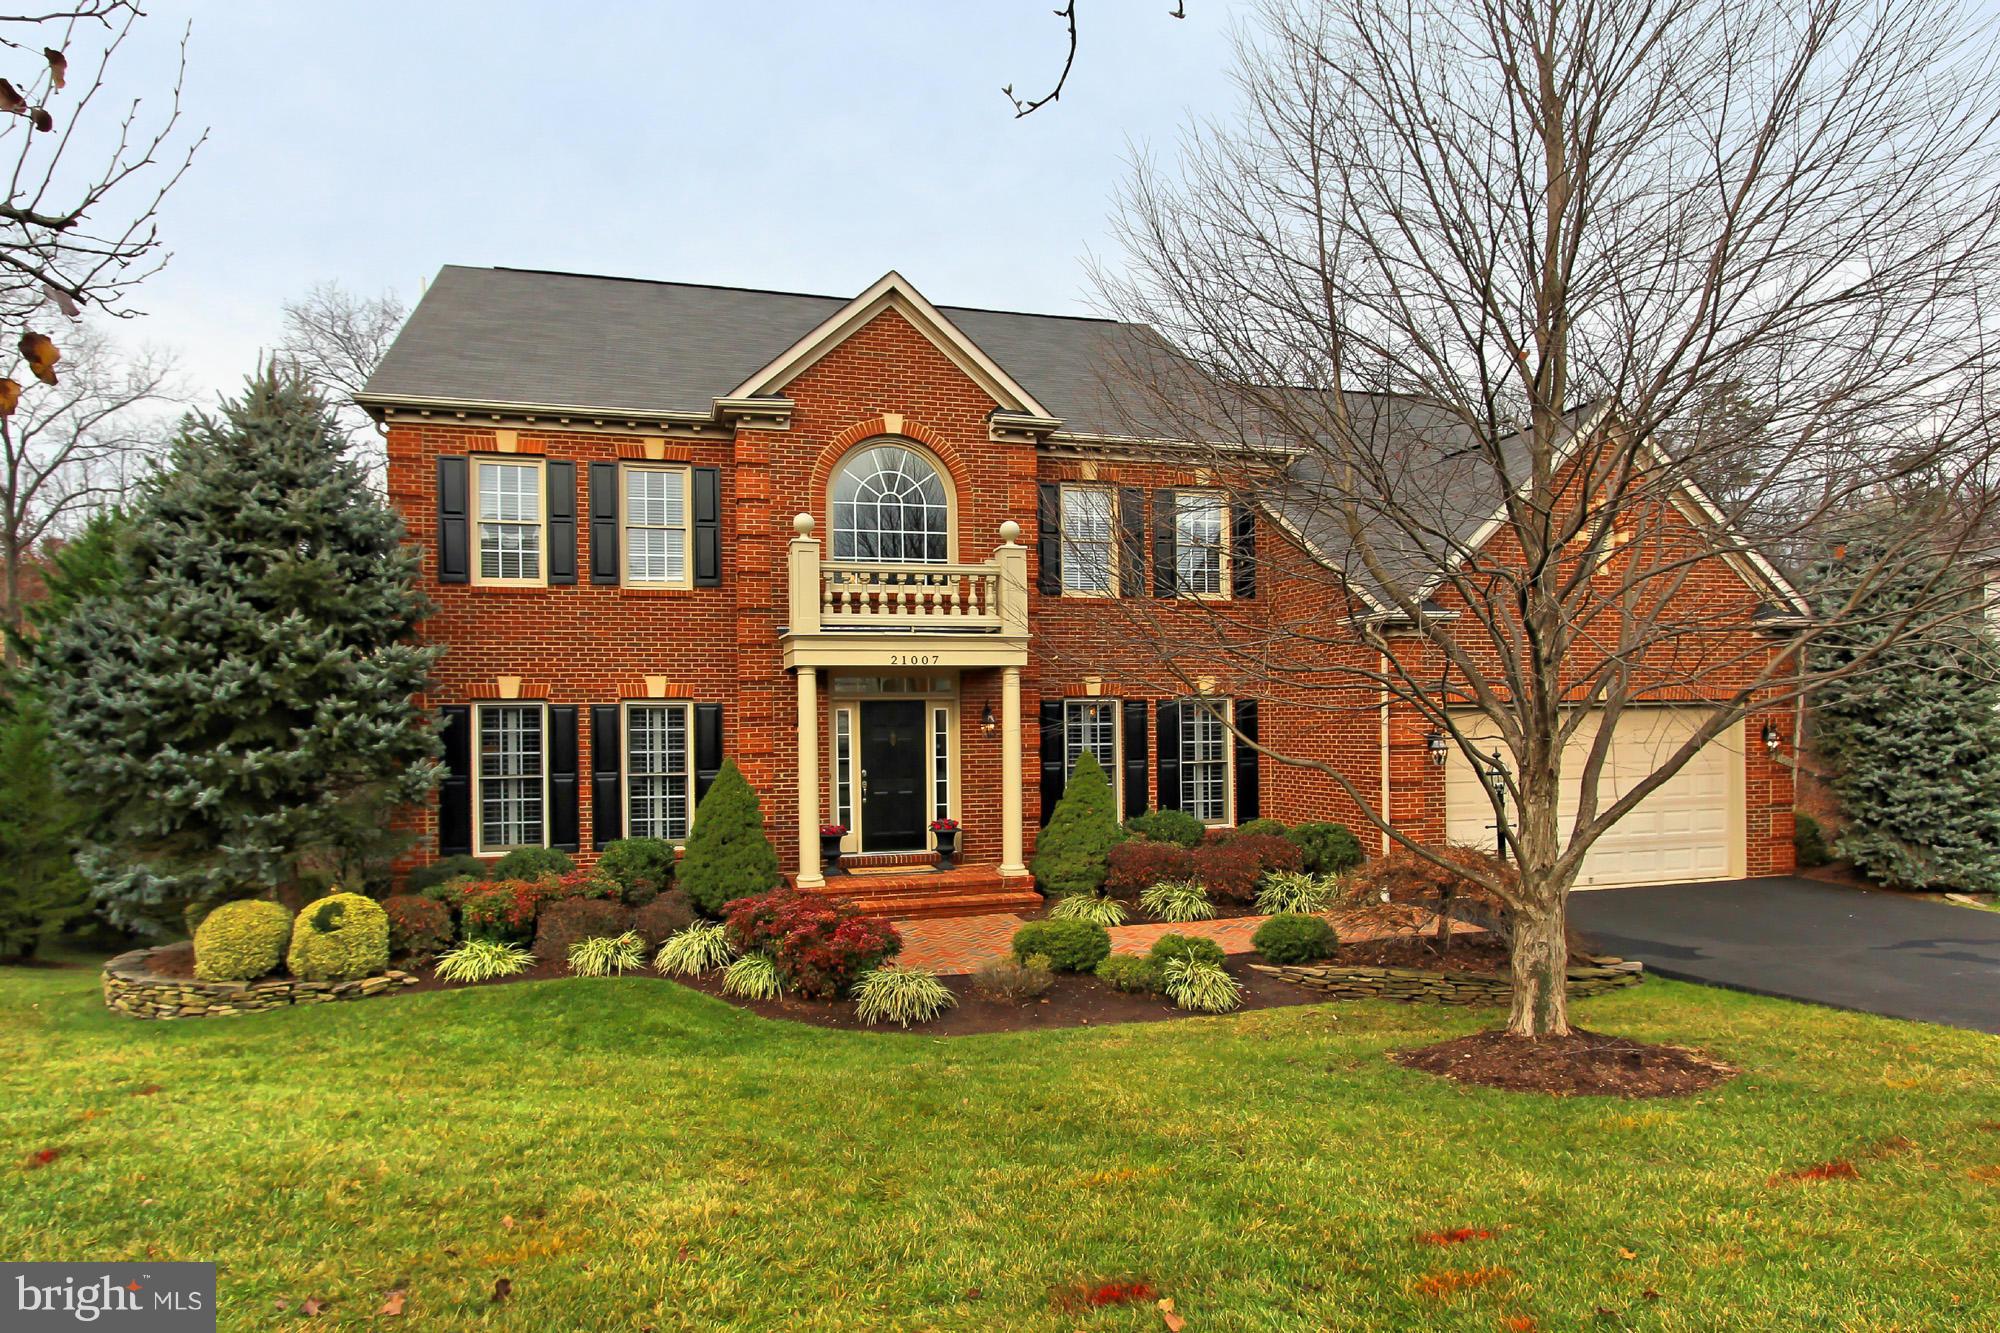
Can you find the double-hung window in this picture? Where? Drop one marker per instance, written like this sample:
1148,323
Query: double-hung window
512,777
657,520
659,773
1201,551
1205,761
1089,540
510,518
1090,726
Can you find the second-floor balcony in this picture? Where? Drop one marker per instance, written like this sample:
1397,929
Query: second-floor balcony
872,613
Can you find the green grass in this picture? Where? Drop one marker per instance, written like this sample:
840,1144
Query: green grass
633,1155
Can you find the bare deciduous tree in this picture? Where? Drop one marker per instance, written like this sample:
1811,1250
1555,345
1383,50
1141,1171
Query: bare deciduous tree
1493,288
76,448
336,339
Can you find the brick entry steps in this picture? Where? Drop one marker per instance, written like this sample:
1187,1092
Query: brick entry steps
927,894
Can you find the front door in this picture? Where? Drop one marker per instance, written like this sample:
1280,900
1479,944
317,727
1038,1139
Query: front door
892,776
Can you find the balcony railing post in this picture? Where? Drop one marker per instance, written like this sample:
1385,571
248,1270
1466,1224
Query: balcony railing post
1011,565
803,569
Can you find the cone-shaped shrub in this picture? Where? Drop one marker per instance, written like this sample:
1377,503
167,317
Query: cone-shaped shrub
728,856
1072,852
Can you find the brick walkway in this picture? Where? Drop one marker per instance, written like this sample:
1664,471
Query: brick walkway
957,945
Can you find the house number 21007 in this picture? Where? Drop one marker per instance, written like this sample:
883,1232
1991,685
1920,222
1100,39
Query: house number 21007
913,659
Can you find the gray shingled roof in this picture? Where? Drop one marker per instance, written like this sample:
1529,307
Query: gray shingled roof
515,336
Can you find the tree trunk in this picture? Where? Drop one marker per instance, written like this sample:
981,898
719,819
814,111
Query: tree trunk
1540,966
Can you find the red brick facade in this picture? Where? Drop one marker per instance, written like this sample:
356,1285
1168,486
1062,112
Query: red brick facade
586,645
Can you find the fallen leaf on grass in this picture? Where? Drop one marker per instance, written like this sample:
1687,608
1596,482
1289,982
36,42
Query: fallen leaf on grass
1838,1169
502,1288
1624,1253
394,1305
146,1091
1519,1323
1174,1323
1096,1295
507,1224
1450,1281
312,1305
1456,1237
1987,1175
42,1158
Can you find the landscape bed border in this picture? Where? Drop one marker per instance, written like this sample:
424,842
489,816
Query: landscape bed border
131,988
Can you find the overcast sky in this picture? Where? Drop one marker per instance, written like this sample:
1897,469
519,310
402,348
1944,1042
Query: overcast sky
803,146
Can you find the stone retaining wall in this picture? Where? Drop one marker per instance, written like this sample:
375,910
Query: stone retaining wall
1413,984
131,988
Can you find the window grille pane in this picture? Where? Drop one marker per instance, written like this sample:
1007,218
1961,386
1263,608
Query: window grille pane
890,505
658,795
655,525
1204,764
1198,529
510,776
843,768
1088,521
941,766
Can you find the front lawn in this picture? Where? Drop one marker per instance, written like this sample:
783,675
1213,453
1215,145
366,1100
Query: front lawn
630,1155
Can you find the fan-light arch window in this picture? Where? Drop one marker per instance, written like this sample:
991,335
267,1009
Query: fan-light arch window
891,505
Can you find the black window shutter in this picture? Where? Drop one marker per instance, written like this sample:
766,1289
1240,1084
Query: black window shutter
1048,539
707,746
604,523
1246,761
454,565
607,786
1166,557
455,791
562,778
561,481
1133,727
1170,755
1131,542
1052,756
708,532
1243,550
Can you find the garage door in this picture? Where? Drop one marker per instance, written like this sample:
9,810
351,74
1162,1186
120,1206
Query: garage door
1691,828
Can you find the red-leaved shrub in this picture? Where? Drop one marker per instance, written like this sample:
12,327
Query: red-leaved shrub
820,948
1135,866
508,907
1403,876
1231,869
418,927
568,921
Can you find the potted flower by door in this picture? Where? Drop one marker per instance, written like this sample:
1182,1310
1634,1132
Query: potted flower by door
829,848
946,833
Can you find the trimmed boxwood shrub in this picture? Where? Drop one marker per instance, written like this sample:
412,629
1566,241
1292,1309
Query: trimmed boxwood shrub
728,856
1070,852
339,938
1135,866
533,863
241,941
1168,947
446,868
642,868
1070,946
1293,937
1262,828
1167,826
1328,848
573,920
668,914
418,927
1132,973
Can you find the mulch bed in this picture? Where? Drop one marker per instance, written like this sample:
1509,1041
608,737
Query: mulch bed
173,960
1590,1064
1476,953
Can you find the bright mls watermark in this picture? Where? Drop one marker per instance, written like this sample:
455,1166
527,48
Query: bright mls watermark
123,1298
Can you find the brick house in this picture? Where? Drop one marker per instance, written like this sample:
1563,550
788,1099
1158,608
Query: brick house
892,559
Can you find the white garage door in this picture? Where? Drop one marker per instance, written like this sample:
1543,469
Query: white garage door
1691,828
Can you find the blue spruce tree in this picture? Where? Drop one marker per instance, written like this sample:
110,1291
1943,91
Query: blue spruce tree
239,709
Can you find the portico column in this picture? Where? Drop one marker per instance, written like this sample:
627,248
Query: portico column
1011,861
809,876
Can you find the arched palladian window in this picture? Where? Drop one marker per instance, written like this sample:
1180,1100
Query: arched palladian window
890,504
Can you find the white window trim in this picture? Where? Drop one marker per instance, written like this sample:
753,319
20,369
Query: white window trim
541,519
686,579
625,757
1227,713
478,778
1114,573
1114,774
1225,574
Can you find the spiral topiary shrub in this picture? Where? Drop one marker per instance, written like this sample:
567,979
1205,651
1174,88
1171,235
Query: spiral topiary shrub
1070,946
341,937
241,941
1292,938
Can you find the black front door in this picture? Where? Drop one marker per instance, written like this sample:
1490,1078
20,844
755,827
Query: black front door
892,776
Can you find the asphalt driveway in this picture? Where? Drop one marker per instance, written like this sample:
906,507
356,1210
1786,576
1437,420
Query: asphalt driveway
1804,940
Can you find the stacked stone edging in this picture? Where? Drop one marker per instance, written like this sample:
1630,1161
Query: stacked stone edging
1413,984
132,989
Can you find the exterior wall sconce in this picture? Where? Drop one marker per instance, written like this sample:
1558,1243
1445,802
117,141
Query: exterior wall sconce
987,722
1434,743
1770,738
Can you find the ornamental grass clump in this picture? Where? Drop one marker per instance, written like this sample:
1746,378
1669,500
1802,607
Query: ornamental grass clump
1197,984
753,977
904,995
1091,907
1176,900
1295,891
241,941
484,960
607,955
702,947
